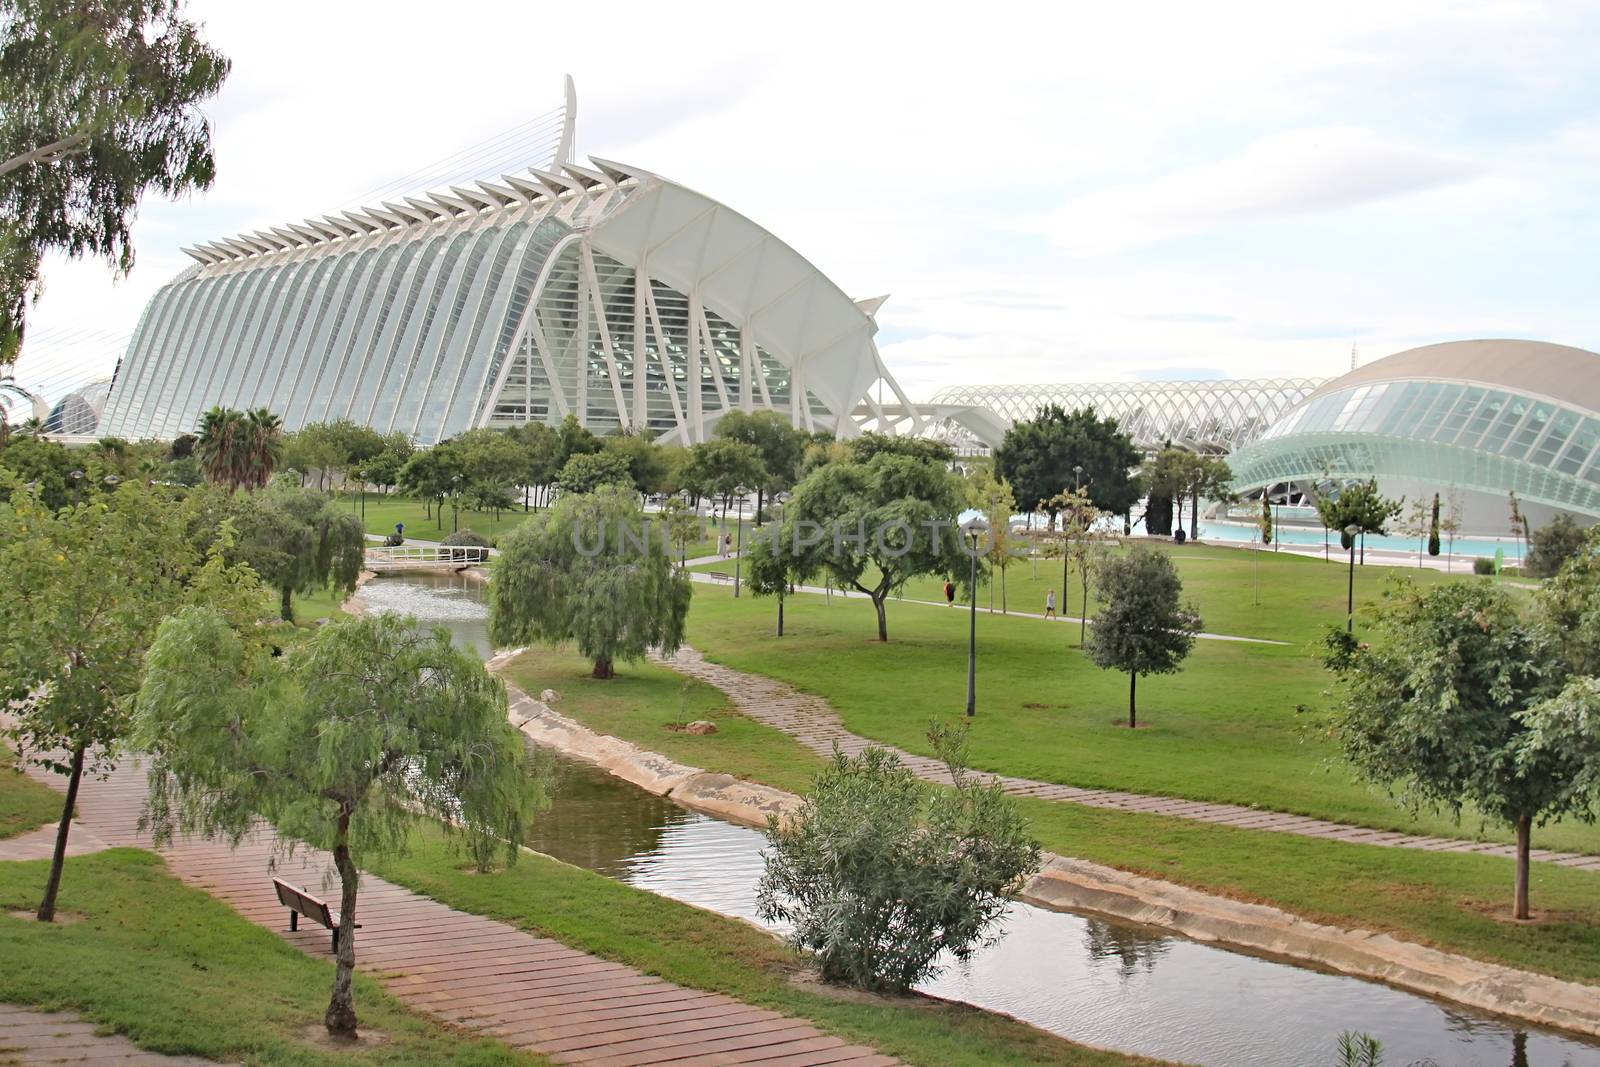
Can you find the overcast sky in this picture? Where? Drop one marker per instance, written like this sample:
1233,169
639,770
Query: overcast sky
1048,193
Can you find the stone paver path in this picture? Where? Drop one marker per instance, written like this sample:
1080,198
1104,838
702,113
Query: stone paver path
40,844
813,722
34,1038
528,991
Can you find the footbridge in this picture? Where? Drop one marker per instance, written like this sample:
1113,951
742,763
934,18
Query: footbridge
384,559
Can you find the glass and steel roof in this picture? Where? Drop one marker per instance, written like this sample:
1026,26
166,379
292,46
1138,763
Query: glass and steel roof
1205,416
1526,422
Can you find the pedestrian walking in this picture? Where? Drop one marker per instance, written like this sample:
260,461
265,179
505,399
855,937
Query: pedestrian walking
950,593
1050,605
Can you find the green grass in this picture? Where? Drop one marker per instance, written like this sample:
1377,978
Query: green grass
382,512
1226,728
323,604
24,804
1457,902
705,951
179,972
644,700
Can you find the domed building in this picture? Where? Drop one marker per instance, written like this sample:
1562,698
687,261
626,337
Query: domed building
1475,419
78,413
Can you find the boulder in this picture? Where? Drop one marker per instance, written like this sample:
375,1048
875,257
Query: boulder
550,696
700,726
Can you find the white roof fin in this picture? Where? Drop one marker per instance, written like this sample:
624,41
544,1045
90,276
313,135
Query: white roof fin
872,303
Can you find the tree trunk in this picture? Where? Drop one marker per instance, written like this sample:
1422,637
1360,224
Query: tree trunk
780,612
286,604
341,1017
603,668
47,906
1083,616
1133,715
1003,591
1524,836
883,619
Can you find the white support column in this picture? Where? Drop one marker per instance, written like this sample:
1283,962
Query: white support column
640,364
666,363
597,299
697,416
704,326
746,362
580,347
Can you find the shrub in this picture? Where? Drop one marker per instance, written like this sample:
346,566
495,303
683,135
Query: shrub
468,539
1483,565
1553,544
878,874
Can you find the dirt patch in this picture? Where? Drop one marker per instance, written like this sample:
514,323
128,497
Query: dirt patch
812,982
63,918
1501,913
1036,706
317,1034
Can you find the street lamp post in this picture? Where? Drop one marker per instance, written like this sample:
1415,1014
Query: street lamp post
455,503
974,531
77,485
1350,596
738,533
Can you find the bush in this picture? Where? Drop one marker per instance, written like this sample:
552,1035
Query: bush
468,539
878,874
1483,565
1553,544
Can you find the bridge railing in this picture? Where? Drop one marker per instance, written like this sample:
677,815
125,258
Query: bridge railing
426,555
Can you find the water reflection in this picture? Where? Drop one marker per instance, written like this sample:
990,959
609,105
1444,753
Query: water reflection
1087,979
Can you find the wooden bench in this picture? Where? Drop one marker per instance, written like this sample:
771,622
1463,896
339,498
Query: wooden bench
299,903
721,576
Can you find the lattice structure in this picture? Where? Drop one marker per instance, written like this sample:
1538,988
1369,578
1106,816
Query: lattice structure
1203,416
602,291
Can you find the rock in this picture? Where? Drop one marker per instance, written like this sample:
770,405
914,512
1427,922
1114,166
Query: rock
550,696
700,726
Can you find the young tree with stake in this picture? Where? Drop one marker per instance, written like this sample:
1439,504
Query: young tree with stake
345,743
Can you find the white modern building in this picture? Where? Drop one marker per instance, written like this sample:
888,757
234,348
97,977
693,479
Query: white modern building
601,291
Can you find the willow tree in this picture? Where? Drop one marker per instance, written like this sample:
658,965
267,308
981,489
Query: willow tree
592,571
345,742
298,541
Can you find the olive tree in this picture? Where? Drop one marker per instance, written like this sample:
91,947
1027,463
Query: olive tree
1458,700
878,875
590,570
84,590
345,743
1142,627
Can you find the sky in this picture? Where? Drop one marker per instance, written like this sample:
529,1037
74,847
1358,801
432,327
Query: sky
1047,193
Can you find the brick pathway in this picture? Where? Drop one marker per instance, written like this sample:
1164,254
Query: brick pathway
528,991
30,1038
813,722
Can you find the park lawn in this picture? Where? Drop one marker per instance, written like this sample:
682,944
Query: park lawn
706,951
644,700
24,803
325,603
179,972
1299,596
1226,728
1455,901
382,512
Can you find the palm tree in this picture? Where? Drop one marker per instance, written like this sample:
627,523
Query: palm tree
218,446
264,446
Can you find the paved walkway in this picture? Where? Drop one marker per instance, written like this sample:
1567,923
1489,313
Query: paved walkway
40,844
813,722
528,991
30,1038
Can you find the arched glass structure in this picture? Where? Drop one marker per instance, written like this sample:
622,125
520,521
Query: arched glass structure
1204,416
78,413
604,291
1483,418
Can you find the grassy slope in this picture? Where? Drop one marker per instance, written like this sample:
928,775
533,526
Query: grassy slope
24,803
1226,728
179,972
707,951
1450,900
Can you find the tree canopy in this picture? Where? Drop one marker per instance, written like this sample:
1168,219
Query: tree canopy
591,571
239,449
1143,627
101,104
880,514
781,444
298,541
1037,457
345,742
1457,700
1358,504
586,472
85,587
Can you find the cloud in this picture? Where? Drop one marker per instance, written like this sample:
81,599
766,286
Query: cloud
1301,172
